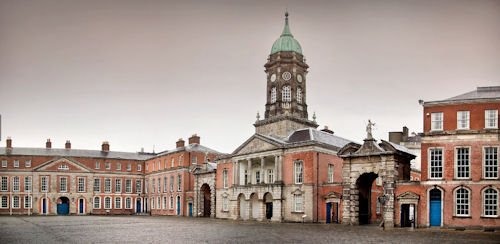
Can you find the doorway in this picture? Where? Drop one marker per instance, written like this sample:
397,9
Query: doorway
407,215
178,205
190,209
332,212
138,205
205,189
268,200
364,185
81,206
435,207
44,206
63,206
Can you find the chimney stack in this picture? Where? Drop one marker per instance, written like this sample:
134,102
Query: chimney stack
105,146
67,145
179,143
9,143
405,133
48,144
194,139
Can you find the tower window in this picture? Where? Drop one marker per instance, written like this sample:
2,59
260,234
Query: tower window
299,95
273,95
286,94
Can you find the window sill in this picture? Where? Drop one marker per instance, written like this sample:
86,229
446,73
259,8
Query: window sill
462,217
490,217
297,212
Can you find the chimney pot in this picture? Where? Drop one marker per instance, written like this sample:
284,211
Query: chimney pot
9,142
194,139
48,144
179,143
105,146
67,145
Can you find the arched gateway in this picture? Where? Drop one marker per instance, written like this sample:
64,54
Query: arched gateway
370,173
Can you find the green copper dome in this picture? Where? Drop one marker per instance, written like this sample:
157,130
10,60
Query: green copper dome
286,42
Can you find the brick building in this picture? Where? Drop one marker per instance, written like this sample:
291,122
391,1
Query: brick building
49,181
460,144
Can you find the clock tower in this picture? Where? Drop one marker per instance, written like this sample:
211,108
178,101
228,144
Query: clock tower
286,69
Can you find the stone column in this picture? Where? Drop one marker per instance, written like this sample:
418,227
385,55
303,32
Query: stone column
235,168
262,174
249,208
275,177
249,171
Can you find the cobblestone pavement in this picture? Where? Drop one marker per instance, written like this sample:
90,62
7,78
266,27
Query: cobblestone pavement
146,229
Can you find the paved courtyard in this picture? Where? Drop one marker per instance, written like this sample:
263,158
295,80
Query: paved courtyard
146,229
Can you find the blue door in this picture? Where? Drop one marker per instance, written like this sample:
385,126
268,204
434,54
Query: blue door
63,208
138,206
178,206
44,206
435,207
81,206
190,209
328,212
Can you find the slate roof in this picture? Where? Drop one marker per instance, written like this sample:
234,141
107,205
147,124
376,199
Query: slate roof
189,148
310,134
479,93
74,153
401,148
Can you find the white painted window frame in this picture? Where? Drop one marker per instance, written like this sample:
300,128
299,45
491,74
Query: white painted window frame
483,202
463,120
455,204
429,163
441,121
487,119
497,162
455,163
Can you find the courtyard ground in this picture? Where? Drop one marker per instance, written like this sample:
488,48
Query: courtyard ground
147,229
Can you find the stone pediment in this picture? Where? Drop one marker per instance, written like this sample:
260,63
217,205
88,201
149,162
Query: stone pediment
408,196
256,143
333,195
62,165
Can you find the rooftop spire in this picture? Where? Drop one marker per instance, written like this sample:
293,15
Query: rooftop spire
286,30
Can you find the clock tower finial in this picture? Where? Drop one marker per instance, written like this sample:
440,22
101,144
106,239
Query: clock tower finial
286,69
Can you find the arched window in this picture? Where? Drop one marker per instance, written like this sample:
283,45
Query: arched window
5,202
107,202
97,202
273,95
490,202
299,95
462,202
286,94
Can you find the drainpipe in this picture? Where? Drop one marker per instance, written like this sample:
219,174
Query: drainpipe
317,186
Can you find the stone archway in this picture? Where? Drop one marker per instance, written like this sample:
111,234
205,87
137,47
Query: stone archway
254,207
268,206
63,206
206,205
241,208
364,185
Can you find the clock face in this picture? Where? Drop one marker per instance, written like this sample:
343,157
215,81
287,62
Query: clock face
273,77
286,76
299,78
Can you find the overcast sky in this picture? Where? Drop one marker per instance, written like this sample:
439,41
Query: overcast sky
144,73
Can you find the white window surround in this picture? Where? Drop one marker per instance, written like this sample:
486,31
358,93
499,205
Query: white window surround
491,165
437,121
107,185
63,184
298,170
128,203
463,120
97,202
15,183
97,185
430,167
4,163
489,202
462,201
462,171
118,202
298,203
16,163
224,178
15,202
491,119
81,184
107,202
225,203
330,173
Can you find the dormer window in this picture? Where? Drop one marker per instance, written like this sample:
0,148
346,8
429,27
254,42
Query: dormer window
63,167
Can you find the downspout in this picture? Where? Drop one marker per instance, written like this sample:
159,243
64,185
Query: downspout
317,186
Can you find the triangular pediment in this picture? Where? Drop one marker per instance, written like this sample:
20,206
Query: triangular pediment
62,165
257,143
408,195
